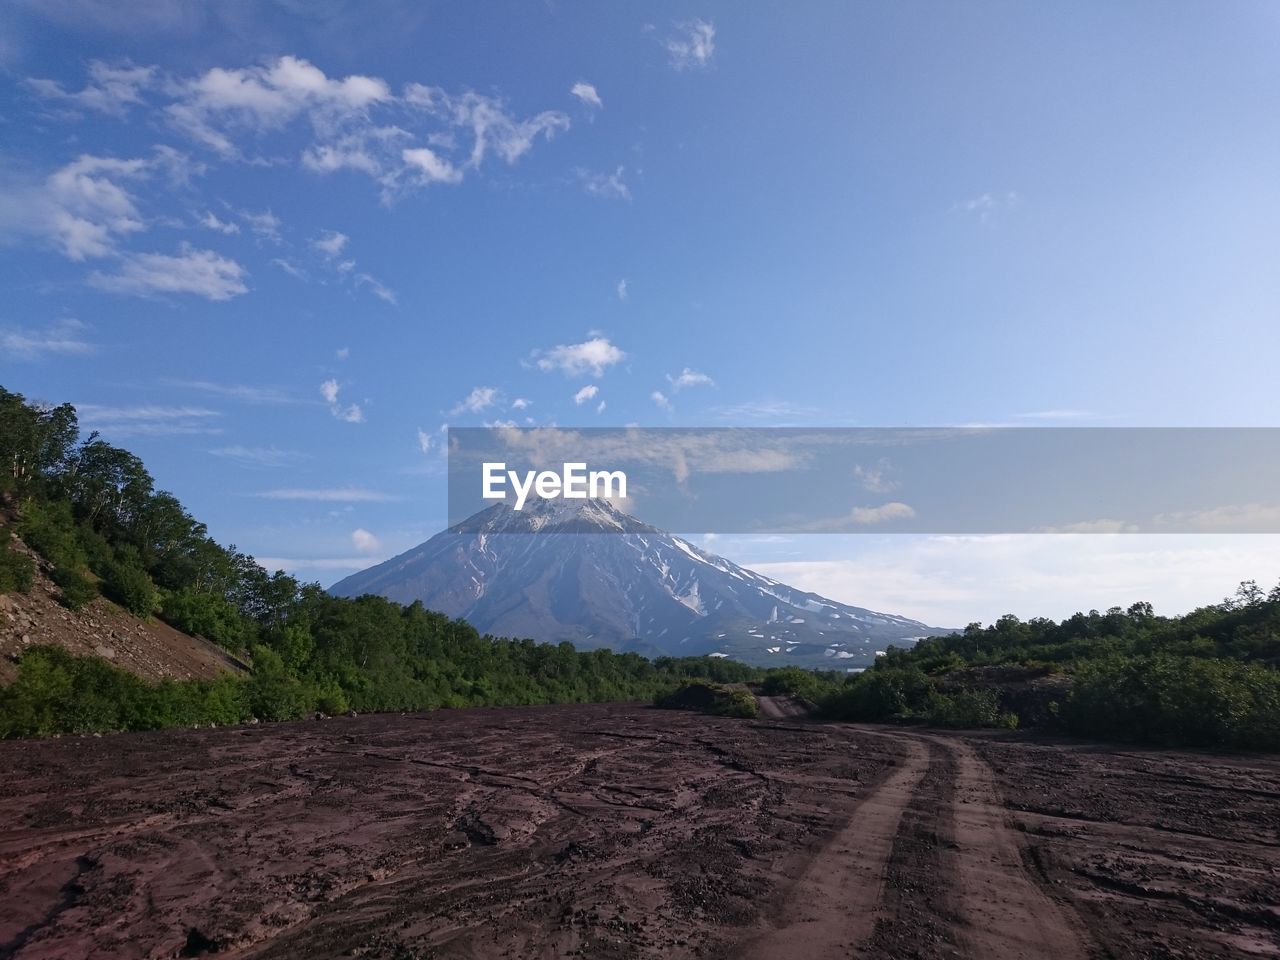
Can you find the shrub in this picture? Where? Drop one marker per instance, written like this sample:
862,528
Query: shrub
204,614
75,588
17,570
1177,700
130,587
970,709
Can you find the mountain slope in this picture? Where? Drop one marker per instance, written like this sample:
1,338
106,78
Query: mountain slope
590,574
149,648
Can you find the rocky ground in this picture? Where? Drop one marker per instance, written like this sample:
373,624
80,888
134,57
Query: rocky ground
623,831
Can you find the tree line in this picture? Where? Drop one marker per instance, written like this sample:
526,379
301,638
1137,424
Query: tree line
93,512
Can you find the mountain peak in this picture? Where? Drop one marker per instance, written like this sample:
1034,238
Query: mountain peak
638,589
557,515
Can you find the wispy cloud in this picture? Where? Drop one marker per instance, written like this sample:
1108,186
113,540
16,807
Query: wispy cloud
661,400
610,186
331,243
64,338
259,456
211,221
377,288
328,495
875,479
986,206
147,419
111,89
243,392
692,45
689,378
480,398
199,272
586,393
587,94
592,357
351,413
622,289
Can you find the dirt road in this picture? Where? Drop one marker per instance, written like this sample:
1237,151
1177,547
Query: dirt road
622,831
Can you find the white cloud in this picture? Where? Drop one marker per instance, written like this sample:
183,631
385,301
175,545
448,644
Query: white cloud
874,479
480,398
882,513
221,101
692,46
661,400
951,581
364,541
986,206
689,378
110,90
258,456
147,420
592,357
586,393
351,413
289,267
520,403
66,337
610,186
199,272
622,289
600,407
342,353
330,242
425,441
221,226
491,127
264,224
328,495
87,208
377,287
430,167
587,94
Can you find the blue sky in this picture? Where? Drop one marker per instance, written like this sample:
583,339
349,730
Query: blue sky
274,247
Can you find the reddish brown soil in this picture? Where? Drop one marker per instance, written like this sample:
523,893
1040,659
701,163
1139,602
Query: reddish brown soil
622,831
148,648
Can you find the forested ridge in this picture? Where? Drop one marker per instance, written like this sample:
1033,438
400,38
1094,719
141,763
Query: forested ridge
92,511
1209,678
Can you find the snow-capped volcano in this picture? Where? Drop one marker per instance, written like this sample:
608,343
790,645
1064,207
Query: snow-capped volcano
586,572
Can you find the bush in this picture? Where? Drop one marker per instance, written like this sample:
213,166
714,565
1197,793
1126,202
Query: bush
205,615
76,589
17,570
130,587
56,692
713,698
970,709
882,693
1177,700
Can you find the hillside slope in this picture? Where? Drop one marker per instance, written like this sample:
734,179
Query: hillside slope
148,648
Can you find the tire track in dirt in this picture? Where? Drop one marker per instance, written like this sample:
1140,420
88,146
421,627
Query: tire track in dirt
1007,915
831,908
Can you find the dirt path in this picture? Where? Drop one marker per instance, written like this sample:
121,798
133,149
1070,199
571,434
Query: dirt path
1007,912
832,907
621,832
